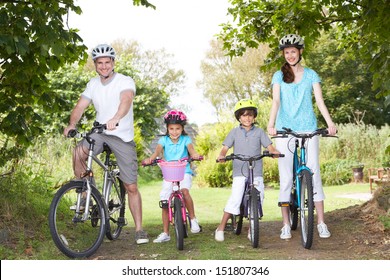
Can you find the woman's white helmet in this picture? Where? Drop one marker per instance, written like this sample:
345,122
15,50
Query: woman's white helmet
103,50
291,40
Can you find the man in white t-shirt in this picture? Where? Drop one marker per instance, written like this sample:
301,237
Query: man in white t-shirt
112,96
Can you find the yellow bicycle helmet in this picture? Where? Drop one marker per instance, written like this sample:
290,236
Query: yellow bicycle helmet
244,104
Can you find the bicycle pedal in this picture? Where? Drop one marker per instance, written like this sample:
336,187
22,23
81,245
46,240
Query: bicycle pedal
283,204
122,222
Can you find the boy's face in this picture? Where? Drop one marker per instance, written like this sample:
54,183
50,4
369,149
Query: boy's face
247,118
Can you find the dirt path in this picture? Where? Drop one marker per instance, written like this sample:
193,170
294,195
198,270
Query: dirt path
356,235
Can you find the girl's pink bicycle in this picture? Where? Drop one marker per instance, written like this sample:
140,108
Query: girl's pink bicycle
173,171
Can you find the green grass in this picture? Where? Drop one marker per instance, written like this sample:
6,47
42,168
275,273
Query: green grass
209,202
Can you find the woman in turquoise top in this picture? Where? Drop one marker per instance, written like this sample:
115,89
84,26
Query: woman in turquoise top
175,145
292,89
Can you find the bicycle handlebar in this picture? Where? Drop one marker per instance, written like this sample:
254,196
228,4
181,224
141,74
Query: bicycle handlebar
96,128
288,131
157,160
246,158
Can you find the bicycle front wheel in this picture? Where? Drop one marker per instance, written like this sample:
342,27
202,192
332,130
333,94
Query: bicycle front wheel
179,225
253,216
306,209
74,236
116,210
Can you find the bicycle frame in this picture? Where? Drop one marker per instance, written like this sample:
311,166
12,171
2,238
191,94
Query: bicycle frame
108,176
249,185
176,193
299,165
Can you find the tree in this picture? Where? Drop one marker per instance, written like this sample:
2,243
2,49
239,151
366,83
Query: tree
346,84
33,42
226,80
362,29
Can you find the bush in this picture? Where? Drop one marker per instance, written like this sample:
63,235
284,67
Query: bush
336,172
213,174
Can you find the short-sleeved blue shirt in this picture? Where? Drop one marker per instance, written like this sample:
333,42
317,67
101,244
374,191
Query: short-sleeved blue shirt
247,143
176,151
296,105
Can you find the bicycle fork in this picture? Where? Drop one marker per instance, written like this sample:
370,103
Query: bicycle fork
87,198
176,194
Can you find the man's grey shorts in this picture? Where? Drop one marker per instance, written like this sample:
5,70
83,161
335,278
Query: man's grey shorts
125,154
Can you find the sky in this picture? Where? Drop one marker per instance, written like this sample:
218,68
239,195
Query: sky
183,28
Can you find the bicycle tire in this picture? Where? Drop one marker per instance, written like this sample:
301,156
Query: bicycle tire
179,225
185,225
293,212
253,216
73,237
237,222
116,210
307,209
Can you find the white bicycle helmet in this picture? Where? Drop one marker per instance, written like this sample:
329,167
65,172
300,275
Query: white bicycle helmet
103,50
291,40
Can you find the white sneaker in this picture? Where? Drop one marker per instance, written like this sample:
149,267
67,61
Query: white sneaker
195,228
219,235
323,230
163,237
285,232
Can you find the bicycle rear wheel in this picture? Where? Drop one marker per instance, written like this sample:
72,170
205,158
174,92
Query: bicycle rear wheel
74,237
306,209
116,210
293,211
253,216
179,225
237,221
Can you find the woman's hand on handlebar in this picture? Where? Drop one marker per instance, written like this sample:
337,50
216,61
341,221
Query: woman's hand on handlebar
271,131
332,130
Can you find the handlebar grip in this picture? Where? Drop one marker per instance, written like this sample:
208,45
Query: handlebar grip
72,133
281,155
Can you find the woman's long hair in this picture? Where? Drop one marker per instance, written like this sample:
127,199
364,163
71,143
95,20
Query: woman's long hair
288,74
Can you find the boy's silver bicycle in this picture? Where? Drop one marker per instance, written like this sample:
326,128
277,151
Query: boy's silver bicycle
251,207
80,216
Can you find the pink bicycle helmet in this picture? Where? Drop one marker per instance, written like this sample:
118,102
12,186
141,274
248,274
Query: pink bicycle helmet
175,117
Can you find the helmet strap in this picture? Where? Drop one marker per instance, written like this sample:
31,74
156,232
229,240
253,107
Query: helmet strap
299,60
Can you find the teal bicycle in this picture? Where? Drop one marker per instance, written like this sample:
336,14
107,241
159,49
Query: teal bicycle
301,202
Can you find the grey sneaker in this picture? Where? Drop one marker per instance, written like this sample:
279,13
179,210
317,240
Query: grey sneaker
323,230
141,237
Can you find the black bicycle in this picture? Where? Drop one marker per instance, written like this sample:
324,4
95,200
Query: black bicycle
250,207
80,215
